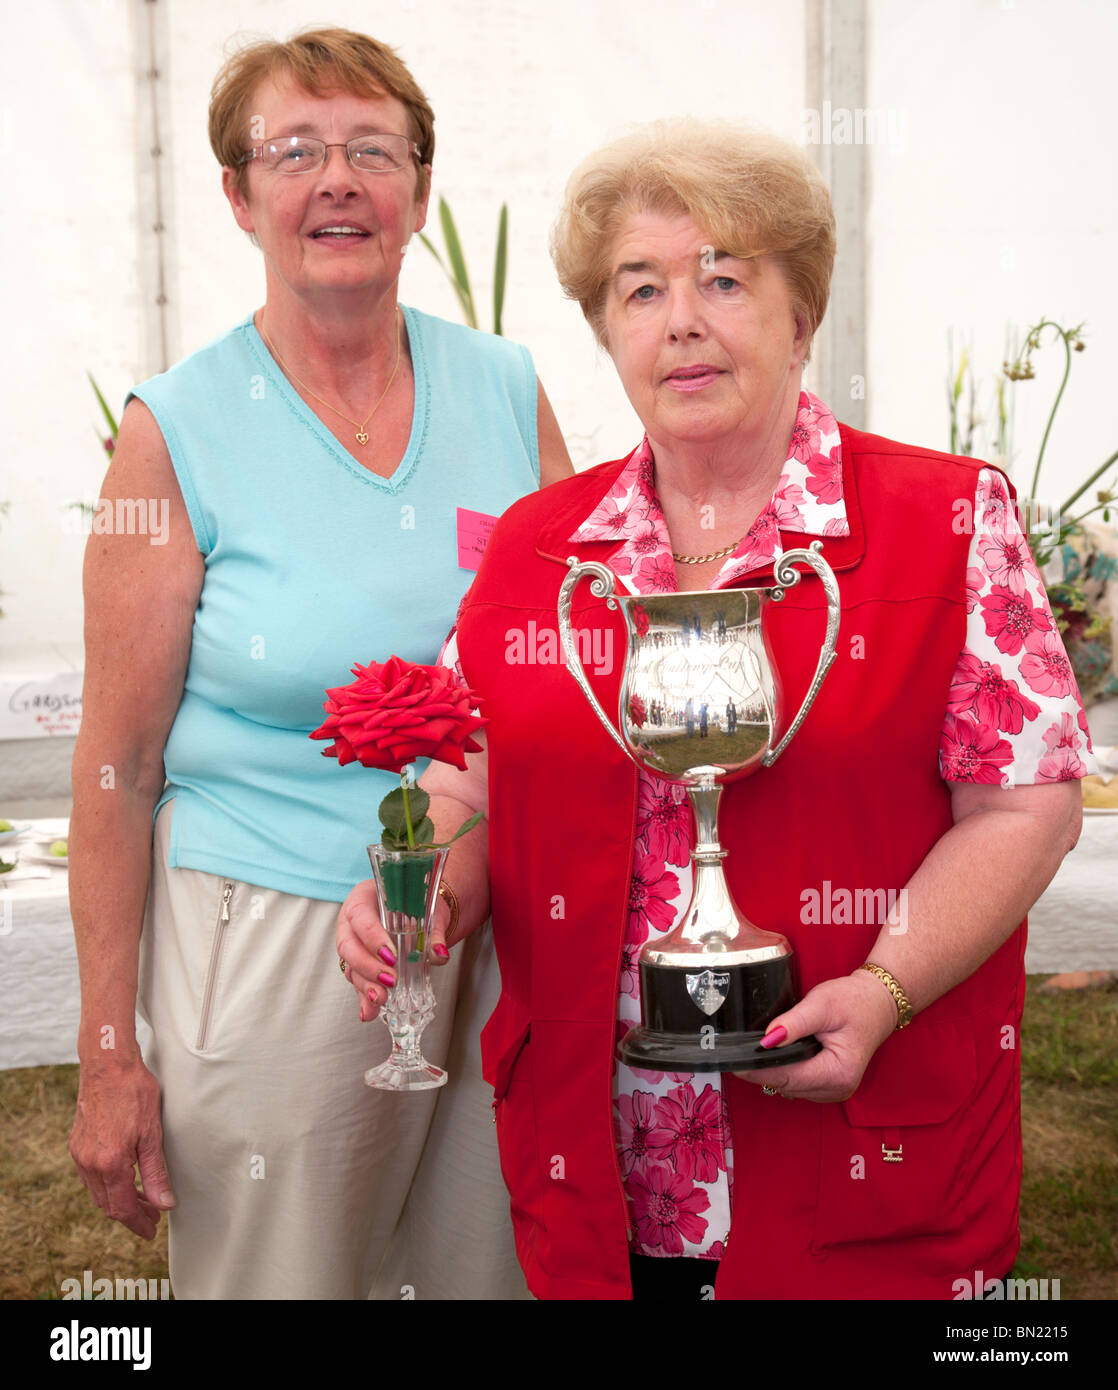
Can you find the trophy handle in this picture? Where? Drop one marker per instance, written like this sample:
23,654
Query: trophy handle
785,575
601,586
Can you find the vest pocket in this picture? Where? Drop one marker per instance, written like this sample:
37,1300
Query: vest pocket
209,988
896,1159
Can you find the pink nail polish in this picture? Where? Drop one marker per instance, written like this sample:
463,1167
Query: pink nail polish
776,1036
386,979
389,957
440,951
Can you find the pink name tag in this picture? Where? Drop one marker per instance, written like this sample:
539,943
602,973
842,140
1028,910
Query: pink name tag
474,530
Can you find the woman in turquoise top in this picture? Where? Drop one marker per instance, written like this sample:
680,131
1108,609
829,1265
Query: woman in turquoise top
313,460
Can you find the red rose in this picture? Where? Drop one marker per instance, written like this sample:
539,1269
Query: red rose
395,713
639,614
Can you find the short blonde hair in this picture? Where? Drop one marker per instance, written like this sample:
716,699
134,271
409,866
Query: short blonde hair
752,192
320,61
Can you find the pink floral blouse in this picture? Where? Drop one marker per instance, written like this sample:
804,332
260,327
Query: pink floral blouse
1013,716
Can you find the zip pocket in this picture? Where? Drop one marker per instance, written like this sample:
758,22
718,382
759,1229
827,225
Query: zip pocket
211,972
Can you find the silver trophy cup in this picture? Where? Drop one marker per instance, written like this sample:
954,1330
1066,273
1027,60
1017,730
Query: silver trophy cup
700,705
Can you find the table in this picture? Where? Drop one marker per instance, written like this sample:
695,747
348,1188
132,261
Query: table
39,988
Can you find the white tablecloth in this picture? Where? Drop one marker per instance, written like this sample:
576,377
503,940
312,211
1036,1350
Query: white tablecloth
38,963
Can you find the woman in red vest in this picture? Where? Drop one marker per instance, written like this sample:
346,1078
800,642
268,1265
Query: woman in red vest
936,772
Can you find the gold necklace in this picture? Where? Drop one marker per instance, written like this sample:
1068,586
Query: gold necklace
360,436
703,559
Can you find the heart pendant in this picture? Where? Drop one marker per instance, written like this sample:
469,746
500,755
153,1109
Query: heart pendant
361,437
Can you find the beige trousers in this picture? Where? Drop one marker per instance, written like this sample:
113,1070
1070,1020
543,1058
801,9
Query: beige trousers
293,1178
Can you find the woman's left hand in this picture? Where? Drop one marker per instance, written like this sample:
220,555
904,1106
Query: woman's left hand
851,1017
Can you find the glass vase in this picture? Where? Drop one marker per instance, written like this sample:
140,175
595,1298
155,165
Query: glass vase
407,883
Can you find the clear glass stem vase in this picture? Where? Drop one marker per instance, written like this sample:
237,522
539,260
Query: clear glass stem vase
407,883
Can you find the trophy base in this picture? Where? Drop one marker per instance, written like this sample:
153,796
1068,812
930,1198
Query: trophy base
713,1019
650,1051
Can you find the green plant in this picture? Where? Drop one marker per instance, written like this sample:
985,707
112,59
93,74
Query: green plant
457,273
1046,532
965,427
109,443
1021,369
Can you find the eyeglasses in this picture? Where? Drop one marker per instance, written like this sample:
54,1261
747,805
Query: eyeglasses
303,154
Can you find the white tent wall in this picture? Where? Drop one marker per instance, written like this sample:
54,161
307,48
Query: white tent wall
68,240
999,208
995,205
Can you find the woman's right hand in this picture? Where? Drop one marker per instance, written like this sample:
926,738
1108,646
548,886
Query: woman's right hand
116,1129
366,948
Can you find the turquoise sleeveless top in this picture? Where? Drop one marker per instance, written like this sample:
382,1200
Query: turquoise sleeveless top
313,563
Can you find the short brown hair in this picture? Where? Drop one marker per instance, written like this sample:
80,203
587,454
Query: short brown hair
752,192
320,61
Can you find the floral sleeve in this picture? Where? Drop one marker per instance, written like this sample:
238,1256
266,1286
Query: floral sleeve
1013,712
448,657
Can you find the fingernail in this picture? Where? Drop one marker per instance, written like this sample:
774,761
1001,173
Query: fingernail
386,979
440,951
775,1036
166,1199
389,957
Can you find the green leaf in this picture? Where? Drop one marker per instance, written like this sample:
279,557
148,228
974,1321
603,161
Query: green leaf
500,268
466,827
419,802
391,841
391,810
104,405
458,263
430,245
424,832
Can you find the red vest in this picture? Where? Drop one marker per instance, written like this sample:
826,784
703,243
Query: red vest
854,803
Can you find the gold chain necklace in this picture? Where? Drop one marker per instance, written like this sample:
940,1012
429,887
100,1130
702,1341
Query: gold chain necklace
703,559
360,436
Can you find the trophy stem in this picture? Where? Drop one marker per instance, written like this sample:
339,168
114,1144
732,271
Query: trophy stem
710,920
704,797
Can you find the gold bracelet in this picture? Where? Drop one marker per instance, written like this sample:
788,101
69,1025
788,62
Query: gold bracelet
448,895
904,1008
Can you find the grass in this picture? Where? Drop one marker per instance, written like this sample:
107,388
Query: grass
50,1230
1069,1099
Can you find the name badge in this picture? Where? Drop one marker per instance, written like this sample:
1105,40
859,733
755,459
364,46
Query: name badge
474,530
